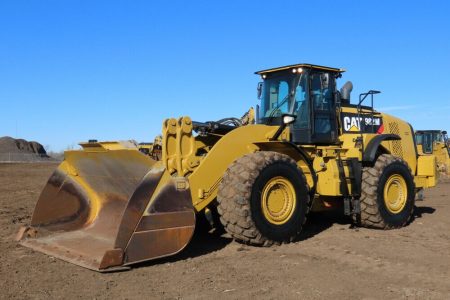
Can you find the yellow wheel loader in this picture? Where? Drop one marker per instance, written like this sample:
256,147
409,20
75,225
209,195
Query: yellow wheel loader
435,142
107,207
154,150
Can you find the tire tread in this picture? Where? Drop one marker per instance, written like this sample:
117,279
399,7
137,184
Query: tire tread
235,192
370,215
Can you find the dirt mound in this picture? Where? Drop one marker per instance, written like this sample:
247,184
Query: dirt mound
12,149
9,144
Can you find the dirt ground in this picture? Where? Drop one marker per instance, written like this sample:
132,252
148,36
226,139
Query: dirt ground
332,259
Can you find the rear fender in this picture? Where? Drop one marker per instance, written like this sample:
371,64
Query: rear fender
372,147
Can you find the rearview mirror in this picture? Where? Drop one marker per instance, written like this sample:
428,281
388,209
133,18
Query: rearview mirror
259,89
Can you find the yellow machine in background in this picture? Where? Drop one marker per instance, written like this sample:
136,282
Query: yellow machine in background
435,142
108,207
154,150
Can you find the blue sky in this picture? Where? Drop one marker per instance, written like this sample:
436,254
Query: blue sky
111,70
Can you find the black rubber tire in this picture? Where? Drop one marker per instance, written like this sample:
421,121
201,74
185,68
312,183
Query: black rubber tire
239,199
374,213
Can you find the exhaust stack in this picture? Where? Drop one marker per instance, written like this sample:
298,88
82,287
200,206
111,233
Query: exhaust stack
345,92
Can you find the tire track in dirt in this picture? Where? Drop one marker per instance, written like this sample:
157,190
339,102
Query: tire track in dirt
375,264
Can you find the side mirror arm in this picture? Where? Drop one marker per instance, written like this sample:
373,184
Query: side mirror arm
286,119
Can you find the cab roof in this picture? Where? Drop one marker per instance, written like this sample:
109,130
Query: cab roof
430,131
308,66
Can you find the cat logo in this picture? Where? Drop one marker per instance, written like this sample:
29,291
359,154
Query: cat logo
352,123
365,124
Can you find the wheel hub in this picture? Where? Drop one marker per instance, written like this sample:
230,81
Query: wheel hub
395,193
278,200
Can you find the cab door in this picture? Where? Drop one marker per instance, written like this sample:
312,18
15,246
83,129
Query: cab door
322,86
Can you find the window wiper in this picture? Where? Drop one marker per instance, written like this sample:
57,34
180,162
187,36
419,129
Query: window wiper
271,116
296,83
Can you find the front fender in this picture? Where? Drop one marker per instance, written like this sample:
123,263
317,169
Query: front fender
205,179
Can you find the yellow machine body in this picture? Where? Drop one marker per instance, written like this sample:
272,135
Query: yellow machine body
152,149
107,206
435,142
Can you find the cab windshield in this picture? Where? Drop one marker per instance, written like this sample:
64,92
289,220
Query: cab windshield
278,95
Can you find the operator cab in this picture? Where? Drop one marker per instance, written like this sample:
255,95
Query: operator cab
306,91
427,138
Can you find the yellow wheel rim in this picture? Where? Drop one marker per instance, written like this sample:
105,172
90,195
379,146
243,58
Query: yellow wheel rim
395,193
278,200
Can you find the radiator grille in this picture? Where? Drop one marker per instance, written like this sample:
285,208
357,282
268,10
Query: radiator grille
396,145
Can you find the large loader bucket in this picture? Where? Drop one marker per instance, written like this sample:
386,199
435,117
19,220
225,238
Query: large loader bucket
108,209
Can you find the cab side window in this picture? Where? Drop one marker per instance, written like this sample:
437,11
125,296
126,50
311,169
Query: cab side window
322,100
427,143
321,91
301,106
